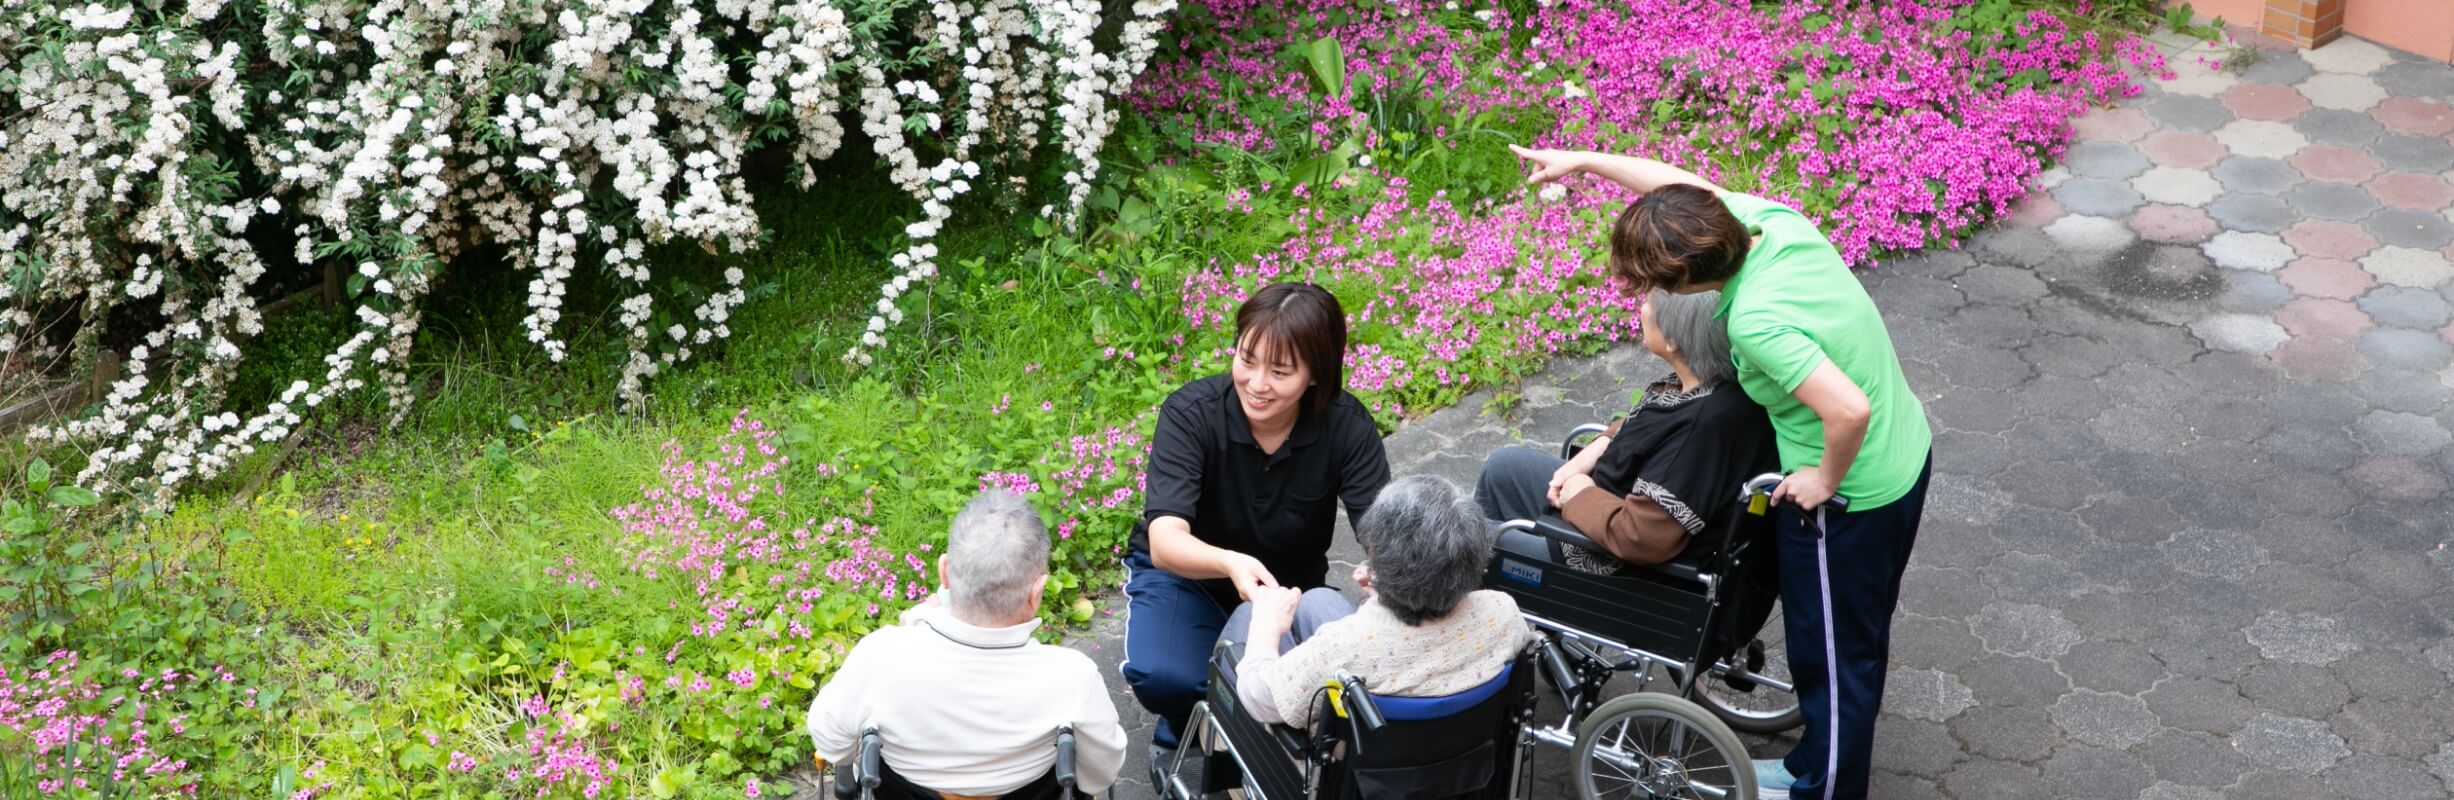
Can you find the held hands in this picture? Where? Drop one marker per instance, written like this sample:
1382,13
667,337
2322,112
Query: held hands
1273,611
1550,165
1363,578
1578,467
1806,488
1249,576
1562,490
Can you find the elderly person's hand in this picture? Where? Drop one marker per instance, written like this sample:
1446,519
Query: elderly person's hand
1273,613
1561,491
1363,578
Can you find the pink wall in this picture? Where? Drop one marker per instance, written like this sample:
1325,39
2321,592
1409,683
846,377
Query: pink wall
2425,27
2234,12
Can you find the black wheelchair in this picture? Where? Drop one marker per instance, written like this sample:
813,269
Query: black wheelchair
867,777
1706,618
1471,745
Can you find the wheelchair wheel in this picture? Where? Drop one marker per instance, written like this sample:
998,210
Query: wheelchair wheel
1653,745
1754,707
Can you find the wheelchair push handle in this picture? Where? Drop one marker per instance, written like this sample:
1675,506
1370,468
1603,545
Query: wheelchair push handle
1065,756
1358,700
872,758
1757,494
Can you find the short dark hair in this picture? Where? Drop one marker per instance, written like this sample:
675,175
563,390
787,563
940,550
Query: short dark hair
1304,321
1677,236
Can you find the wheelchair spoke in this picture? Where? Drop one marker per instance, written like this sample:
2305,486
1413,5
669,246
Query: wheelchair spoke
1658,746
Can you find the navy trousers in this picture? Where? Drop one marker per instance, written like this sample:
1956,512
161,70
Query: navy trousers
1170,625
1838,590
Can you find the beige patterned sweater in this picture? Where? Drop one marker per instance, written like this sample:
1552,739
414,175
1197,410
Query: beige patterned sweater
1440,657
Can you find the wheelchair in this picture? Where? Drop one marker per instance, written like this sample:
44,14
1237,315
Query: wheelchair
867,777
1470,746
1707,618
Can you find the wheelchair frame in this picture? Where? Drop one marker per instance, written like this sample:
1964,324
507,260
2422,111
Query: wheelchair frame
859,777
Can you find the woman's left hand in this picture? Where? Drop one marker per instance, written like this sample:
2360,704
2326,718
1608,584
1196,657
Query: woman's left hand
1807,488
1569,488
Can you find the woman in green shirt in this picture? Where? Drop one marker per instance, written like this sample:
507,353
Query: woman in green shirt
1809,346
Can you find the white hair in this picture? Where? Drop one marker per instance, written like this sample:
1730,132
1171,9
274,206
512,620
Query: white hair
995,556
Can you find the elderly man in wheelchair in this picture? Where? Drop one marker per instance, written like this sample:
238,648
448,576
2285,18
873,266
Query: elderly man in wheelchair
1419,693
959,701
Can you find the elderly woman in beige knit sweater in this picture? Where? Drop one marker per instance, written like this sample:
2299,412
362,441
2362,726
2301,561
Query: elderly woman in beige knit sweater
1424,630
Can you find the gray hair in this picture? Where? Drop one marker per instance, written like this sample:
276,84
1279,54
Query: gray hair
996,552
1687,321
1428,544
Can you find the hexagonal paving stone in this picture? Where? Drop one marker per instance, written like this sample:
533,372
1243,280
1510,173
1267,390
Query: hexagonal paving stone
2261,138
2264,101
2403,227
2240,333
2098,197
2329,200
2397,478
2334,319
2333,126
2300,638
2401,348
2050,178
2343,241
2247,292
2314,358
2034,210
2396,433
2177,186
2254,212
2417,79
2104,719
2279,67
2104,160
2089,233
2371,776
2415,116
2348,55
2408,153
2405,307
2251,251
2326,278
2112,125
2178,224
2412,190
2198,81
2334,162
2186,113
2254,174
2183,149
2407,266
2344,92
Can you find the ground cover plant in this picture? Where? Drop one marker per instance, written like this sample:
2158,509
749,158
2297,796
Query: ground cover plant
523,592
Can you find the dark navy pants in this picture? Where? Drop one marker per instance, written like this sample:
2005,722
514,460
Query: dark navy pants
1838,591
1171,623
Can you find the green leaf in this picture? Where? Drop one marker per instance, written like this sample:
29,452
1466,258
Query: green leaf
1328,60
73,496
519,424
38,471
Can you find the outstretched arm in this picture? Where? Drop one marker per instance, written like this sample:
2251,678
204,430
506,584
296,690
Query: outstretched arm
1640,175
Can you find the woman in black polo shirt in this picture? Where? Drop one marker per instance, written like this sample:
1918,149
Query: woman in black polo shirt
1245,477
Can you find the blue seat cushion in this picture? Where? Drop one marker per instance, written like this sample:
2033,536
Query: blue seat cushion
1417,709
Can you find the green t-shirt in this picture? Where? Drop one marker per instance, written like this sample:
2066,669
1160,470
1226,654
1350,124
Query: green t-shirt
1792,306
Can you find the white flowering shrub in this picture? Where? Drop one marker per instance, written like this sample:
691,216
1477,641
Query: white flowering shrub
147,149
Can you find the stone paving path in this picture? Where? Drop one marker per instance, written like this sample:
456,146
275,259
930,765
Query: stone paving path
2188,532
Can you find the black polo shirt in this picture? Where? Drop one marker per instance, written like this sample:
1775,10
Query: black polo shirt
1278,507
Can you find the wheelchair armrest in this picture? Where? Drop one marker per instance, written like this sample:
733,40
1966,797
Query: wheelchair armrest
1065,757
1580,436
1551,527
858,776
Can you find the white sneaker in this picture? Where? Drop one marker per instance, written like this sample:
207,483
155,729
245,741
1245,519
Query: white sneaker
1772,779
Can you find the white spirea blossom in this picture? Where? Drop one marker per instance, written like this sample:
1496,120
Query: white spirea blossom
388,138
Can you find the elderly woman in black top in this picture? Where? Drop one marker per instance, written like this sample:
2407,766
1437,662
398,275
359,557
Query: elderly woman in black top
1661,475
1246,474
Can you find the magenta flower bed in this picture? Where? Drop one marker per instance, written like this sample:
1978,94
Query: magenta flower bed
1879,120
